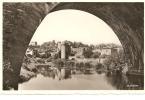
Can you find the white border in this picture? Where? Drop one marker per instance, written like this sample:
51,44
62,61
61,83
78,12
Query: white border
105,92
72,0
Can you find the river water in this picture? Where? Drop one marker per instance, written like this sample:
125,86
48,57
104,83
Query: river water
63,79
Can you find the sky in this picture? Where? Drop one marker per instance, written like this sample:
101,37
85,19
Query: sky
74,25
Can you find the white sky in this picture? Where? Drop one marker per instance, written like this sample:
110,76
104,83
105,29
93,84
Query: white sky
74,25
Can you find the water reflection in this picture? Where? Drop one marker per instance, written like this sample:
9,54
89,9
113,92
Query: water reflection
55,73
65,78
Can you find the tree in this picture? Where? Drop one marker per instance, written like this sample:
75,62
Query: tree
115,61
96,55
91,46
87,53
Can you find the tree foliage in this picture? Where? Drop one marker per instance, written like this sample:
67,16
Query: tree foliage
96,55
87,53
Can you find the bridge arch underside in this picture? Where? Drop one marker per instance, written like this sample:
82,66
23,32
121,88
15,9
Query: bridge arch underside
22,19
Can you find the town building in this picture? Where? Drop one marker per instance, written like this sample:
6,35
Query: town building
33,44
32,49
108,51
79,51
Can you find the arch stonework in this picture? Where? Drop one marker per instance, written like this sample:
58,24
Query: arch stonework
20,21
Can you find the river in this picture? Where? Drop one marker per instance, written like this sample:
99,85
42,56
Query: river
63,79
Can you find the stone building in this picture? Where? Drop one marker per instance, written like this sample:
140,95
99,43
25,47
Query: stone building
79,51
64,50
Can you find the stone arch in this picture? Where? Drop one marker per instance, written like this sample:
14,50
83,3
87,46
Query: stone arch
126,20
20,20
